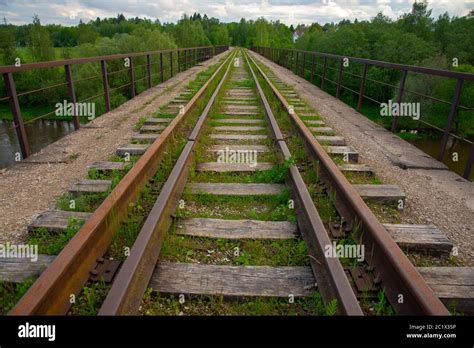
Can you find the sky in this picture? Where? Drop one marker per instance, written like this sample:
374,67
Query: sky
69,12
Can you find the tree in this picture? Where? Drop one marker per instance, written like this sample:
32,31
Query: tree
419,21
40,45
7,45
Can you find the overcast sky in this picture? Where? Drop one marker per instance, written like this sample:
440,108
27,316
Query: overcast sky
69,12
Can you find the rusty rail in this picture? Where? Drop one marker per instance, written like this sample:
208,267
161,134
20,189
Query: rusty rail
280,56
399,278
130,284
328,272
67,274
8,71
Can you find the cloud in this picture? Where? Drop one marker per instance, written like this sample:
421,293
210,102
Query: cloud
69,12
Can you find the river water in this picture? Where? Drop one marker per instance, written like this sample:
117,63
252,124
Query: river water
40,134
431,147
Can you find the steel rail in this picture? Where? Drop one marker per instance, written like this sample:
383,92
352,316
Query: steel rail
405,288
328,272
67,274
129,286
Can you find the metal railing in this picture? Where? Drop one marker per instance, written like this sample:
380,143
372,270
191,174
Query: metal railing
184,58
307,62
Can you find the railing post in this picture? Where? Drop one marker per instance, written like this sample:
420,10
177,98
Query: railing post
171,63
362,87
105,83
399,99
16,113
72,95
313,57
148,66
470,160
304,65
339,79
452,114
132,79
179,58
324,71
185,60
161,66
296,63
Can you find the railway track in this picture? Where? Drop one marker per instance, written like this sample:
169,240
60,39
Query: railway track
234,216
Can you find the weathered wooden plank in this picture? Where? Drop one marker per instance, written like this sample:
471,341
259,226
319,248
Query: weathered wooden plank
234,189
232,167
237,229
241,113
219,148
425,238
238,128
17,270
314,122
56,220
232,107
132,149
107,166
239,102
238,136
239,99
380,193
261,281
344,151
453,285
357,168
321,130
237,120
331,140
156,120
151,129
150,137
91,186
241,91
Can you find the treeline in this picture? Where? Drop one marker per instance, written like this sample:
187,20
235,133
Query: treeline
36,42
108,35
416,38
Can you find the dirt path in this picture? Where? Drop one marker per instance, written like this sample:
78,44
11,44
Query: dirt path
32,186
434,196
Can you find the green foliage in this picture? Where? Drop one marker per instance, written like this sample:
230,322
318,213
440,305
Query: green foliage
382,307
52,243
11,293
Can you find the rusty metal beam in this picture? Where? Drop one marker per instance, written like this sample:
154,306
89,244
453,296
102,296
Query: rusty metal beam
16,113
399,278
328,272
126,294
72,95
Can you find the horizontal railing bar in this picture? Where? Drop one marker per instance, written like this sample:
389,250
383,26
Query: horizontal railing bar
413,68
75,61
41,89
93,97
